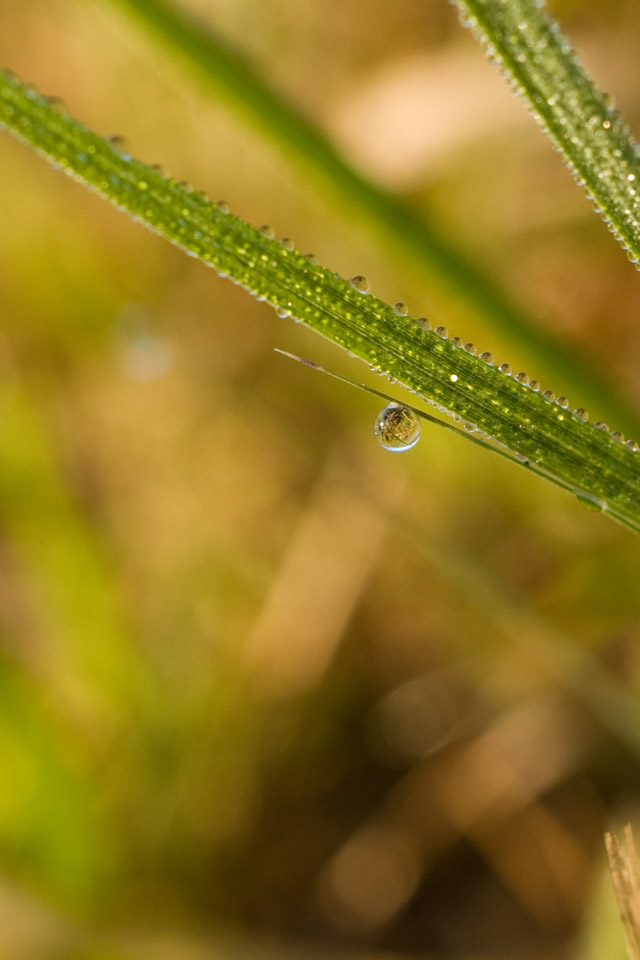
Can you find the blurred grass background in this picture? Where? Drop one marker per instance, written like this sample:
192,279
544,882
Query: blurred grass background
265,688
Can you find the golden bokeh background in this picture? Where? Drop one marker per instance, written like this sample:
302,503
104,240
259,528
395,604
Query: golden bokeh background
266,689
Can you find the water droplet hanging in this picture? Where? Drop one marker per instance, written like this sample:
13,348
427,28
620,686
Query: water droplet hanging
397,428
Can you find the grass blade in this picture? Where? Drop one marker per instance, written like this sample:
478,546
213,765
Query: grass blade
407,235
596,465
590,134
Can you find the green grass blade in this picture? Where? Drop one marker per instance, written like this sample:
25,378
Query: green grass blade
408,235
532,52
597,466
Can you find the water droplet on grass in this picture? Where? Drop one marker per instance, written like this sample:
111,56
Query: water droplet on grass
57,104
360,283
118,143
397,428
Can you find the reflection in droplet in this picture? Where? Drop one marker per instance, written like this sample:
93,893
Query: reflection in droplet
361,284
118,143
397,428
57,104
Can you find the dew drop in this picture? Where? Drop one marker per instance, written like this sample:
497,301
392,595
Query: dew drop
581,414
522,377
311,258
487,357
470,347
633,445
57,104
562,402
401,309
601,426
424,323
118,143
549,395
267,231
360,283
397,428
617,435
456,341
288,243
505,368
534,384
442,332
